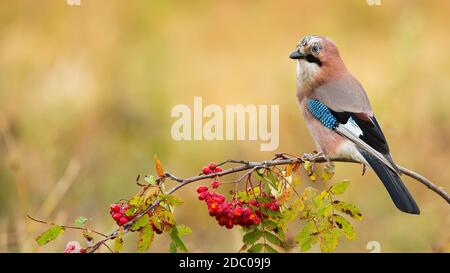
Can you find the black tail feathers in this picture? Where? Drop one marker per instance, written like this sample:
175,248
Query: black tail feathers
394,185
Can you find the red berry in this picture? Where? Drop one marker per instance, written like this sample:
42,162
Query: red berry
115,208
274,206
116,216
215,184
217,169
122,221
238,211
206,170
212,165
202,195
229,224
201,189
213,206
255,203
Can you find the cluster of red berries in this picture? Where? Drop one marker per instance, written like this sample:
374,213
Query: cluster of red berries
235,212
118,211
211,168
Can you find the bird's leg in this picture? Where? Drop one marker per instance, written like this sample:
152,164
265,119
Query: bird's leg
363,169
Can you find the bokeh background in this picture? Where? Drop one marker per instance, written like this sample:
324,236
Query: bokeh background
86,93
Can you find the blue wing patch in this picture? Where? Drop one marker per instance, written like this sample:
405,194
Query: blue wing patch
322,113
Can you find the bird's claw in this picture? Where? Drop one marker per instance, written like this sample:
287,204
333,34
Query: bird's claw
311,156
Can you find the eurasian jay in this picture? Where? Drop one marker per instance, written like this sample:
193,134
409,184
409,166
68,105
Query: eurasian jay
339,116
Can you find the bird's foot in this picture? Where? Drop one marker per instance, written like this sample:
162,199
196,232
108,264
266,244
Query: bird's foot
311,156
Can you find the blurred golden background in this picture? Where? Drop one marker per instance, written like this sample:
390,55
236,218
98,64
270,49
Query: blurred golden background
86,93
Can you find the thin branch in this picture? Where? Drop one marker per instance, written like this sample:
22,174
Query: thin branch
64,226
249,166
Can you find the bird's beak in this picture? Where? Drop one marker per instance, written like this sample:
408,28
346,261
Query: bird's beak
296,54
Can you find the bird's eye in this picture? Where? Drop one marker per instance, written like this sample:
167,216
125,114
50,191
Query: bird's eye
315,49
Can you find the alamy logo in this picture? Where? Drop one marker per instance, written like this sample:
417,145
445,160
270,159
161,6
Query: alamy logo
73,2
236,122
374,2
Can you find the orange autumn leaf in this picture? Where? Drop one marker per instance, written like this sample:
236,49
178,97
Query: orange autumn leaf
158,167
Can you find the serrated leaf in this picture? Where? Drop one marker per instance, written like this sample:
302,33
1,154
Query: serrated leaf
146,236
168,217
136,201
256,248
177,240
81,221
252,237
339,187
269,249
345,226
140,222
158,167
307,236
50,235
348,209
183,230
274,239
118,241
329,240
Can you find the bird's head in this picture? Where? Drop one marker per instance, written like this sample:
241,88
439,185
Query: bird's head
317,58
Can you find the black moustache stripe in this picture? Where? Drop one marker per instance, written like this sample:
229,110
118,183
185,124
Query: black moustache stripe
311,59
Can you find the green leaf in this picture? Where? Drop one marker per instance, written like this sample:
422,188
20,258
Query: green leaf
256,248
252,237
177,240
309,193
50,235
289,215
136,201
183,230
345,226
307,236
298,205
318,200
269,249
329,240
140,222
146,236
270,179
150,179
274,239
171,200
325,210
340,187
81,221
131,211
118,241
348,209
328,172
